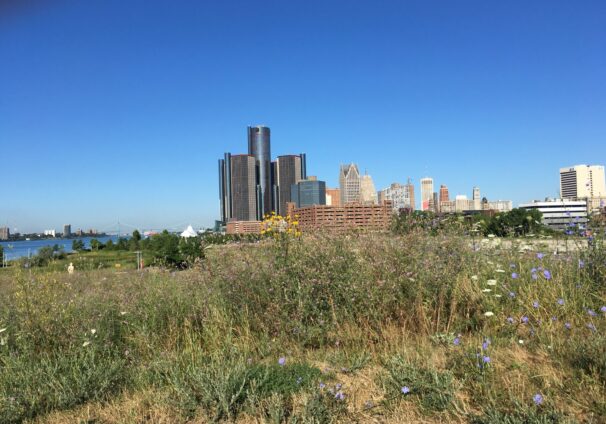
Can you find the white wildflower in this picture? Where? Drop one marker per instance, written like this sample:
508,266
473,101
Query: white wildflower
500,270
486,291
497,295
491,282
488,314
474,277
86,343
93,331
521,341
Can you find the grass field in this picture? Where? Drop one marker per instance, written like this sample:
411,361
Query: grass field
356,328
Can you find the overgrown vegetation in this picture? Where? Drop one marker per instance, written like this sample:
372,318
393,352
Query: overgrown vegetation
318,329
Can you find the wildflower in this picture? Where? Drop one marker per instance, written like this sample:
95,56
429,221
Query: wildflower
491,282
524,319
488,314
405,390
282,361
591,312
486,359
534,276
486,344
567,325
581,263
535,304
93,331
486,290
512,294
533,270
2,330
603,309
512,266
540,255
322,385
457,341
554,318
514,275
537,399
498,296
299,380
510,320
560,301
86,343
474,277
339,396
338,386
591,326
547,274
521,341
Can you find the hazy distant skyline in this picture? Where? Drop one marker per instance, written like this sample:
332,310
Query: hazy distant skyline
114,110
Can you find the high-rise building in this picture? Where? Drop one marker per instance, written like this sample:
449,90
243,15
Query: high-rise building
443,193
260,148
560,213
333,197
368,193
67,230
426,192
410,188
244,195
288,170
399,195
349,184
477,200
435,203
309,192
582,182
5,233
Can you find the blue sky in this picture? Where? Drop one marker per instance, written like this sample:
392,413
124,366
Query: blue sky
118,110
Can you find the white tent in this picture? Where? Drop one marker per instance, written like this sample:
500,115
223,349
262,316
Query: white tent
189,232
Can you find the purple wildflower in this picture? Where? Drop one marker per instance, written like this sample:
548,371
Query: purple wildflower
282,361
533,270
512,294
567,325
540,255
534,276
456,341
591,312
547,274
510,320
405,390
591,326
339,396
524,319
554,318
560,301
322,385
581,263
338,386
514,275
486,359
537,399
535,304
603,309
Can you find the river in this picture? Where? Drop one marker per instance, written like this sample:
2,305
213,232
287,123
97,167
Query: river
24,248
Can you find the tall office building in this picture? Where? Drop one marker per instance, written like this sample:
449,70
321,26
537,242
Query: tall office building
288,171
368,193
333,197
582,182
435,203
244,194
399,195
5,233
477,200
443,193
410,188
426,192
309,192
349,184
259,147
67,230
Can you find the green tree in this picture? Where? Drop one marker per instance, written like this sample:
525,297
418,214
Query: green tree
165,249
109,245
1,253
96,244
77,245
134,242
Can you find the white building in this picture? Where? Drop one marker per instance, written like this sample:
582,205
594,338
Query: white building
582,182
426,192
368,193
399,195
498,205
349,183
560,213
49,233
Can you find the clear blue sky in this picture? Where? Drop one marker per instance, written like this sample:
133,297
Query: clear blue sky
118,110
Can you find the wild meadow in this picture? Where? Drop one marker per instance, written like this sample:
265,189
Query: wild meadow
314,329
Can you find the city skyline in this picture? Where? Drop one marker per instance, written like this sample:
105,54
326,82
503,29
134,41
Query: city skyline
100,123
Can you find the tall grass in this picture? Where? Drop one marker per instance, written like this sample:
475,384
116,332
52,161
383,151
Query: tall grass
325,329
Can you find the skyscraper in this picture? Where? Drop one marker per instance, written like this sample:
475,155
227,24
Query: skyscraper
244,197
477,200
67,230
443,193
309,192
409,186
288,170
426,192
582,182
349,184
260,148
368,193
399,195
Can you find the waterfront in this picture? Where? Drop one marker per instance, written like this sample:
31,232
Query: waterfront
24,248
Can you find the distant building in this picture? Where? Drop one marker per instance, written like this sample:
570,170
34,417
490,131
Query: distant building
497,205
444,194
560,213
333,197
368,193
308,192
582,182
426,192
259,147
67,230
244,199
435,203
288,171
343,218
349,184
399,195
477,200
243,227
50,233
5,233
410,189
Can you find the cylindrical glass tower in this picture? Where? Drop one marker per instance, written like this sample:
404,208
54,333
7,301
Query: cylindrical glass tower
259,147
